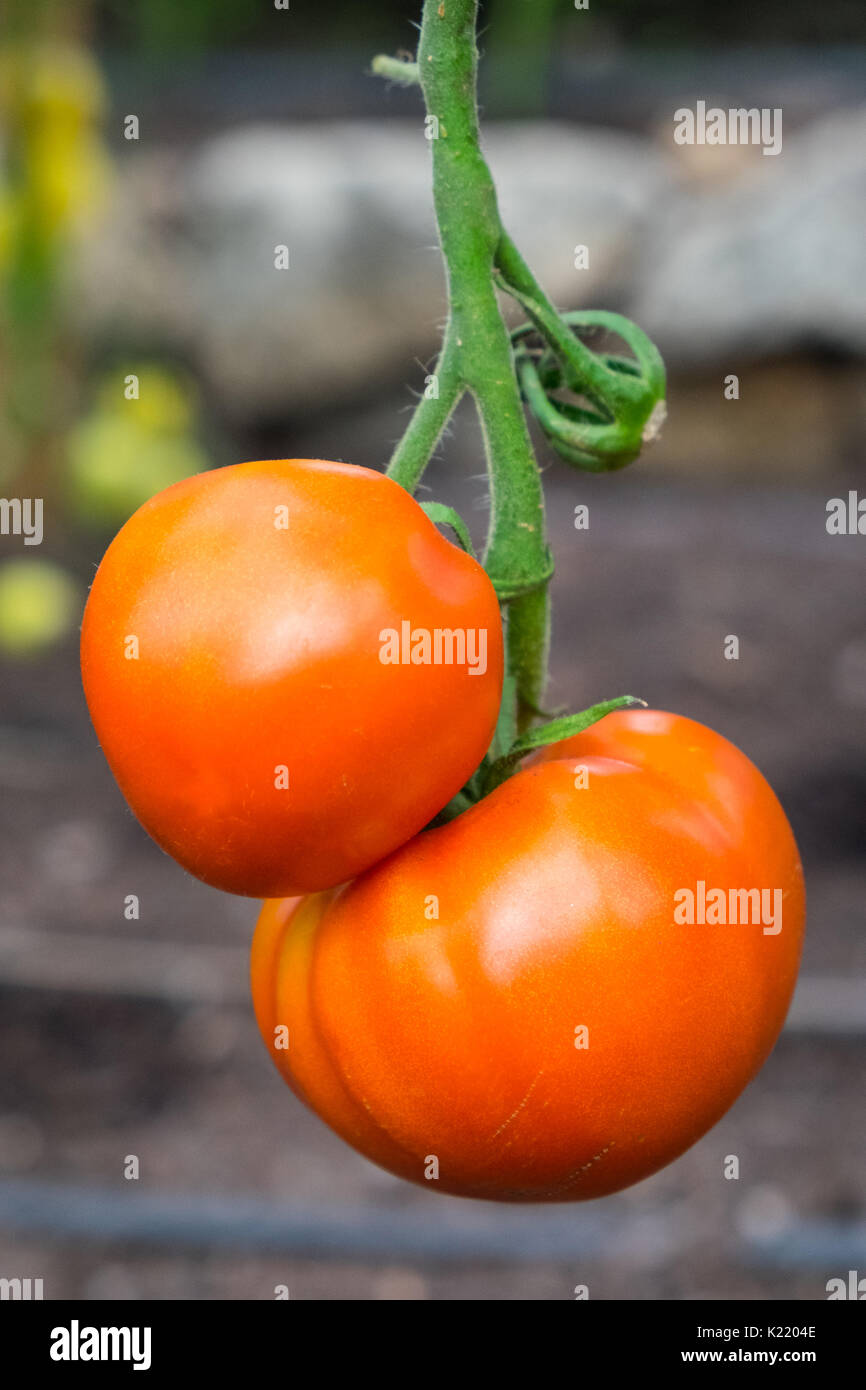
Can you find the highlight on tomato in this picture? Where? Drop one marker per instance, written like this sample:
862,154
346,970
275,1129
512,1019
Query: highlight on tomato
290,671
558,992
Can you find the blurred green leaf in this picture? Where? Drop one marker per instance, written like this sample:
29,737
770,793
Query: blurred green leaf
39,604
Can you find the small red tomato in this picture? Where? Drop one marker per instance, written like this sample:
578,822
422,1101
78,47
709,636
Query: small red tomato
290,671
560,991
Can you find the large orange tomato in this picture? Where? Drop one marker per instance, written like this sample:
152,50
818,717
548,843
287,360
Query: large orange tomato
558,992
290,671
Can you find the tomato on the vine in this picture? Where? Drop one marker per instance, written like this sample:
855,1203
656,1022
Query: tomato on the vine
561,990
259,656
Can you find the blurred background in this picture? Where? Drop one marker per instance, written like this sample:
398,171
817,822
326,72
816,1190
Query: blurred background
152,156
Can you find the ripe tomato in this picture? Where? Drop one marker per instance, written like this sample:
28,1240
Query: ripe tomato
232,654
515,997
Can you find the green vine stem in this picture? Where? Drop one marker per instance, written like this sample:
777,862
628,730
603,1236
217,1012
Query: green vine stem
477,354
479,357
517,557
528,643
429,419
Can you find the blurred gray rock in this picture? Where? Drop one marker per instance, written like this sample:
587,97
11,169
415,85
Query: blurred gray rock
188,254
716,252
766,263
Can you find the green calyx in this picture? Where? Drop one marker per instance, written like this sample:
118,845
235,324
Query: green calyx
508,750
441,515
498,768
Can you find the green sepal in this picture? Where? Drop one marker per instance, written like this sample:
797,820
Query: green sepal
441,515
555,731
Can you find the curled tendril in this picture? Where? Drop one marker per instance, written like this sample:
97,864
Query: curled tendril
624,396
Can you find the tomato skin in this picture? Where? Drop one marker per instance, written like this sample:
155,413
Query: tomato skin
414,1035
259,650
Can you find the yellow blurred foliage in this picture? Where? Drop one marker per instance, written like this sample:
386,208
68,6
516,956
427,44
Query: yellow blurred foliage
126,450
52,100
39,604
